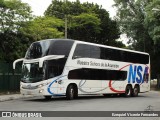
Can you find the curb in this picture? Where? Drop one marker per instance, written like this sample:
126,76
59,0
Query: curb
13,97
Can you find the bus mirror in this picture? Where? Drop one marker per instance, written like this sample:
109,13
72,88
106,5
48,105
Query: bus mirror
16,61
49,57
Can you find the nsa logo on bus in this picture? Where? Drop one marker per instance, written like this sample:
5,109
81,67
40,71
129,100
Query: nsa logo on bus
137,74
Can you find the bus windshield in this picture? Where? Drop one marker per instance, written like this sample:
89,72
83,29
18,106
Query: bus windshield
49,47
32,73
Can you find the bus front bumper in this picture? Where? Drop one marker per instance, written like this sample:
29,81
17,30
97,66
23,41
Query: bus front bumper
32,92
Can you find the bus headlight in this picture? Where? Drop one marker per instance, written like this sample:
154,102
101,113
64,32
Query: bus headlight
39,86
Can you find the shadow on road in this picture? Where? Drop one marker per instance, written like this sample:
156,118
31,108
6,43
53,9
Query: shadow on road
63,98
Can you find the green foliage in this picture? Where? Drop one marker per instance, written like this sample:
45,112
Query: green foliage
43,28
86,24
152,20
13,16
60,8
18,29
86,21
14,46
141,23
131,14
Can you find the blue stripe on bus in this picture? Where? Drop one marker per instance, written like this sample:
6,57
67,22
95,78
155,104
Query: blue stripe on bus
52,83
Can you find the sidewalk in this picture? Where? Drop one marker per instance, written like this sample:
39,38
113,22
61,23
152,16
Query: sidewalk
13,97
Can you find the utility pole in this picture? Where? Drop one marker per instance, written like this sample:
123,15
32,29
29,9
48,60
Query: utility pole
65,26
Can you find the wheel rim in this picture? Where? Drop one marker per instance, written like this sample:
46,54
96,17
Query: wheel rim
72,93
135,91
128,91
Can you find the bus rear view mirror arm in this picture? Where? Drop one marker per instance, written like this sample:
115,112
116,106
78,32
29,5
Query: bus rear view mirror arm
16,61
49,57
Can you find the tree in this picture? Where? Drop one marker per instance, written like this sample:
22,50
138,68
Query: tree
14,46
152,22
86,24
138,21
14,15
95,24
131,15
43,28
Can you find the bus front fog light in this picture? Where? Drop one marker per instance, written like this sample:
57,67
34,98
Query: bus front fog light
40,91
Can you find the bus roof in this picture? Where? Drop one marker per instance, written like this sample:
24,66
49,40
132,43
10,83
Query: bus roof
100,45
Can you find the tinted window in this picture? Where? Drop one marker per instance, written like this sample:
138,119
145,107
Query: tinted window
135,57
95,52
82,51
91,51
112,54
86,51
124,56
60,47
37,50
55,67
103,53
49,47
97,74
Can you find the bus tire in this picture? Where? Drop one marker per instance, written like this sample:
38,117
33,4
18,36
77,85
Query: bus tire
76,92
128,91
135,91
48,97
70,93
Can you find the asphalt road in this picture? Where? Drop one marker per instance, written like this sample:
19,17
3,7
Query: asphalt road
86,103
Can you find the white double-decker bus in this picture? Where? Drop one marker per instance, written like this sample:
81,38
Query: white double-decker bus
64,67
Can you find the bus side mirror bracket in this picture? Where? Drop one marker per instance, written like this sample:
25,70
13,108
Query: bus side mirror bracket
49,57
16,61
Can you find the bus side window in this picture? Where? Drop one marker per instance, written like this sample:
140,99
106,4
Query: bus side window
55,67
102,54
95,52
108,54
61,47
81,51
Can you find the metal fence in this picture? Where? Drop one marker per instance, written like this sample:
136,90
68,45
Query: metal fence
9,78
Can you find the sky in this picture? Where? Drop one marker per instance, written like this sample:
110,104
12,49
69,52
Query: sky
39,6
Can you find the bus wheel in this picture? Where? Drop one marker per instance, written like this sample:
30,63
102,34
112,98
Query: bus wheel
135,91
70,92
128,91
48,97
